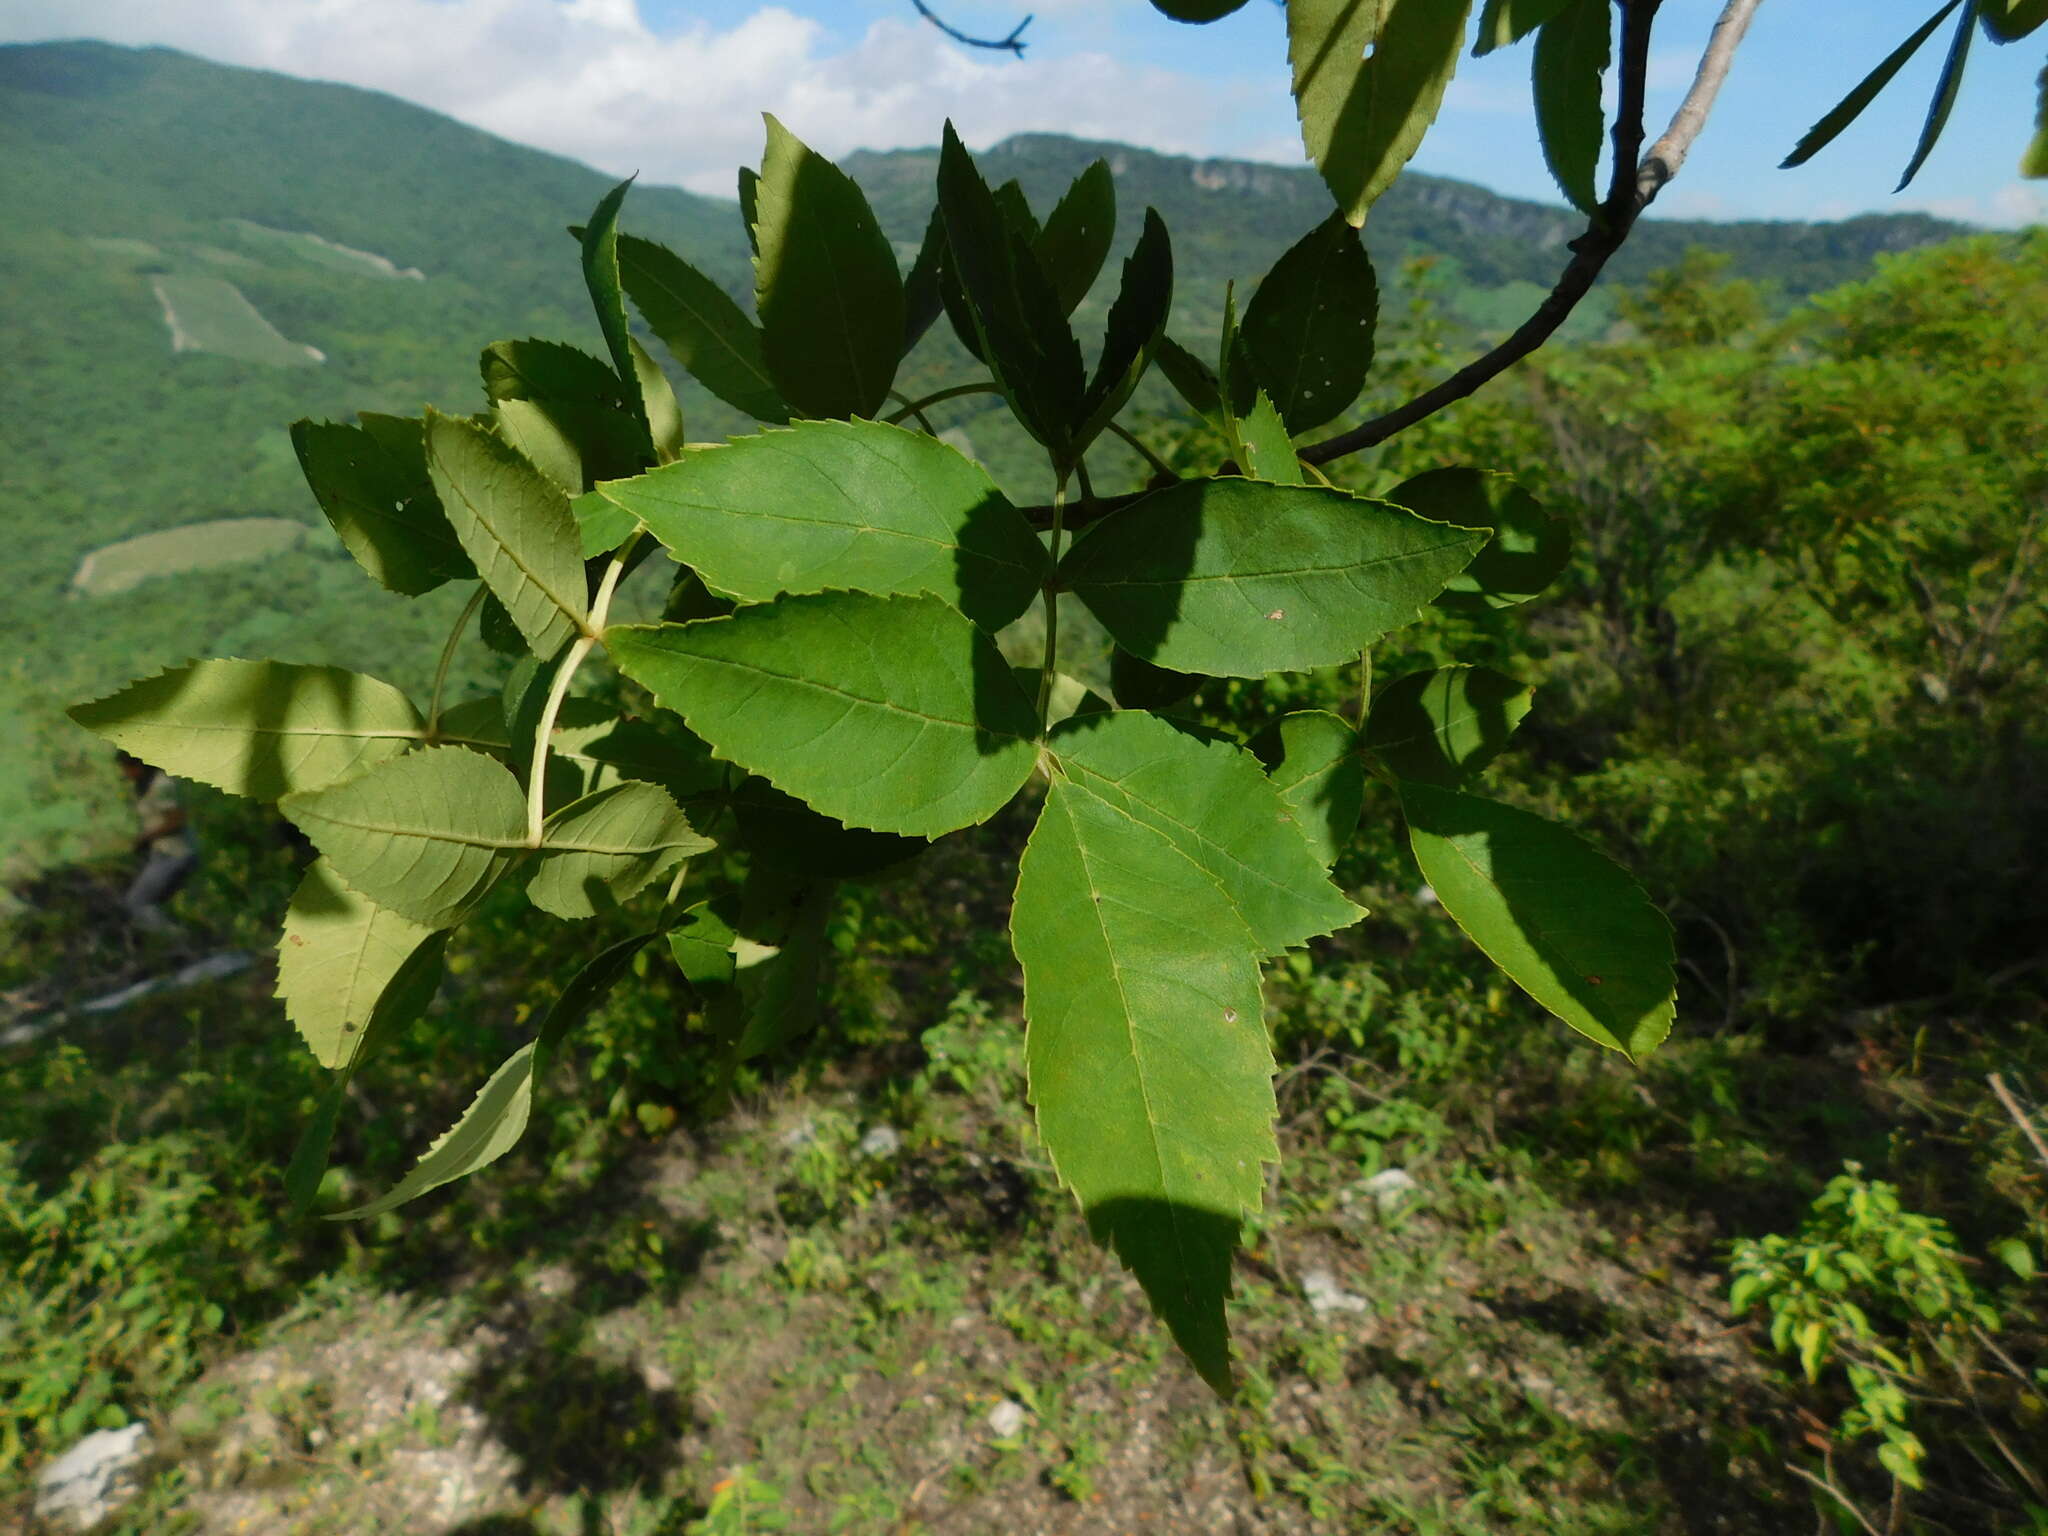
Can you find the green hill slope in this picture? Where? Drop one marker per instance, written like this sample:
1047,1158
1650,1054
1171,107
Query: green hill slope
195,255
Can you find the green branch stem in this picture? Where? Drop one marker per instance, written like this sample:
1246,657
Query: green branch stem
918,407
1052,591
476,601
565,674
1158,464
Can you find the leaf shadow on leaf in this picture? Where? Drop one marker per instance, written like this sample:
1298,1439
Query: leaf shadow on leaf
1181,1255
1142,629
983,548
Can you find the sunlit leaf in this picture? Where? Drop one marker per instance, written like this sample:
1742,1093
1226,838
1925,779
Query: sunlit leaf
716,342
563,410
371,481
604,848
1312,758
1264,447
1443,727
343,961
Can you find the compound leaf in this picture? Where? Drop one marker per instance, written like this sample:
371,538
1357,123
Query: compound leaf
371,481
1308,331
425,835
854,505
1567,924
891,713
1238,578
826,285
1573,50
1369,76
604,848
515,524
256,728
1313,760
1146,1053
1526,548
344,962
716,342
1442,727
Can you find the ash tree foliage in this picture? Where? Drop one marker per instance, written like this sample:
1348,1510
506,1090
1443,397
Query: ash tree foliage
829,693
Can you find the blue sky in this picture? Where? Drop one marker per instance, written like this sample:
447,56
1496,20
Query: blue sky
672,88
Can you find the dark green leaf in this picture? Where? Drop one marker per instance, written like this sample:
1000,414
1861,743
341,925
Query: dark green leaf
854,505
608,749
1194,379
788,834
478,724
702,942
564,411
1527,548
1369,76
750,206
516,526
372,483
1147,1054
1196,11
1443,727
826,285
425,835
1075,241
1308,331
1509,21
2007,21
256,728
308,1166
717,343
1567,924
1016,211
1137,684
343,961
1851,106
1945,90
892,713
600,241
1136,322
1573,50
497,1116
1237,578
778,962
1022,331
495,628
604,848
2035,161
923,285
1312,757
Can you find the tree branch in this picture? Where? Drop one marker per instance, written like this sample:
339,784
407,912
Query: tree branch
1633,186
1014,43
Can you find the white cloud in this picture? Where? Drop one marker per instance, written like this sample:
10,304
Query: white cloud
590,78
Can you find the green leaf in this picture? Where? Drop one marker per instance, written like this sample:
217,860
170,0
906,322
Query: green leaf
778,962
1196,11
1313,760
1022,331
256,728
1237,578
1263,445
517,527
750,207
478,724
1851,106
372,483
716,342
343,962
604,848
1527,550
1136,322
2017,1257
495,628
1016,211
1573,51
600,242
702,943
826,285
1146,1053
1369,76
608,749
1308,331
2007,21
1945,90
781,830
308,1165
1567,924
891,713
658,397
497,1116
426,835
1443,727
855,505
1136,683
602,525
1503,22
1193,379
2035,161
1075,241
1216,806
564,411
924,284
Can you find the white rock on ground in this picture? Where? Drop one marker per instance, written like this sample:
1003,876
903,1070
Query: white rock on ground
1326,1296
1389,1187
1005,1419
882,1141
92,1479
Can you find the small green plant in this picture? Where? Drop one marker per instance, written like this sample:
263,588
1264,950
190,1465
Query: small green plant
1881,1293
740,1504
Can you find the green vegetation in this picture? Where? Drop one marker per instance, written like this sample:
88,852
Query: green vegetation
174,551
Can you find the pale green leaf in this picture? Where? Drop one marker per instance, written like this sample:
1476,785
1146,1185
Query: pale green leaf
1502,22
1369,76
826,285
497,1116
256,728
892,713
1217,807
602,525
516,526
1237,578
1443,727
343,961
425,835
1078,233
851,505
1308,332
371,481
663,411
478,724
717,343
1573,51
1263,446
1526,548
604,848
1146,1052
563,410
702,944
1313,759
1567,924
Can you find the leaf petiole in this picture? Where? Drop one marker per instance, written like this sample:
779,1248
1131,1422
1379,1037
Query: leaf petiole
476,601
1052,588
580,647
914,407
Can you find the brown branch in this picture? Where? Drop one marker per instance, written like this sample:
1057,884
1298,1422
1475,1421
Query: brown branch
2020,1117
1635,183
1014,43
